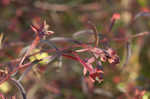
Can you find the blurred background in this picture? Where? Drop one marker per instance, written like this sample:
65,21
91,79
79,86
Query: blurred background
65,18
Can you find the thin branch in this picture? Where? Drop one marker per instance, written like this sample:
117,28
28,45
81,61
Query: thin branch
111,25
33,45
64,39
18,68
140,35
63,8
50,44
93,27
25,72
142,14
82,61
132,36
51,58
20,87
82,32
60,63
115,17
128,53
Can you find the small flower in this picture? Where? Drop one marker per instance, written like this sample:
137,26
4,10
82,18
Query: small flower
97,75
113,58
42,31
103,58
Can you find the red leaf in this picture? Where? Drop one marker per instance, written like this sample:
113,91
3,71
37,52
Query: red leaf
115,16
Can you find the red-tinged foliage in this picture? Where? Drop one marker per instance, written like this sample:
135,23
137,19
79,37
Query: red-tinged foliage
97,75
145,9
89,68
5,2
139,93
116,16
100,45
2,96
113,57
41,31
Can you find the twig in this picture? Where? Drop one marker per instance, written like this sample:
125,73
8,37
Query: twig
20,87
139,34
111,25
64,39
50,44
82,61
51,58
82,32
93,27
115,17
25,73
128,53
41,33
131,37
63,8
18,68
141,14
59,62
33,45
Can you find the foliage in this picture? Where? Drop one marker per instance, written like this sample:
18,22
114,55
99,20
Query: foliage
74,49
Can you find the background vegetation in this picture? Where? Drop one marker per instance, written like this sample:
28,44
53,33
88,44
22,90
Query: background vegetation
126,80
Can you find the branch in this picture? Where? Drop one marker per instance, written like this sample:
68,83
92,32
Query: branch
128,53
63,8
33,45
140,34
93,27
20,87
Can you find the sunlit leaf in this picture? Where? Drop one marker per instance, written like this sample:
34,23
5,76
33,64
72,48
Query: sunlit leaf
39,56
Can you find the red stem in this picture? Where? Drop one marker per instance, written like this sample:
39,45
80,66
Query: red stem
82,62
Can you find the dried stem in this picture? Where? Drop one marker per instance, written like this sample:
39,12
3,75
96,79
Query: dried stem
111,25
128,53
33,45
140,34
82,62
18,68
25,72
20,87
93,27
